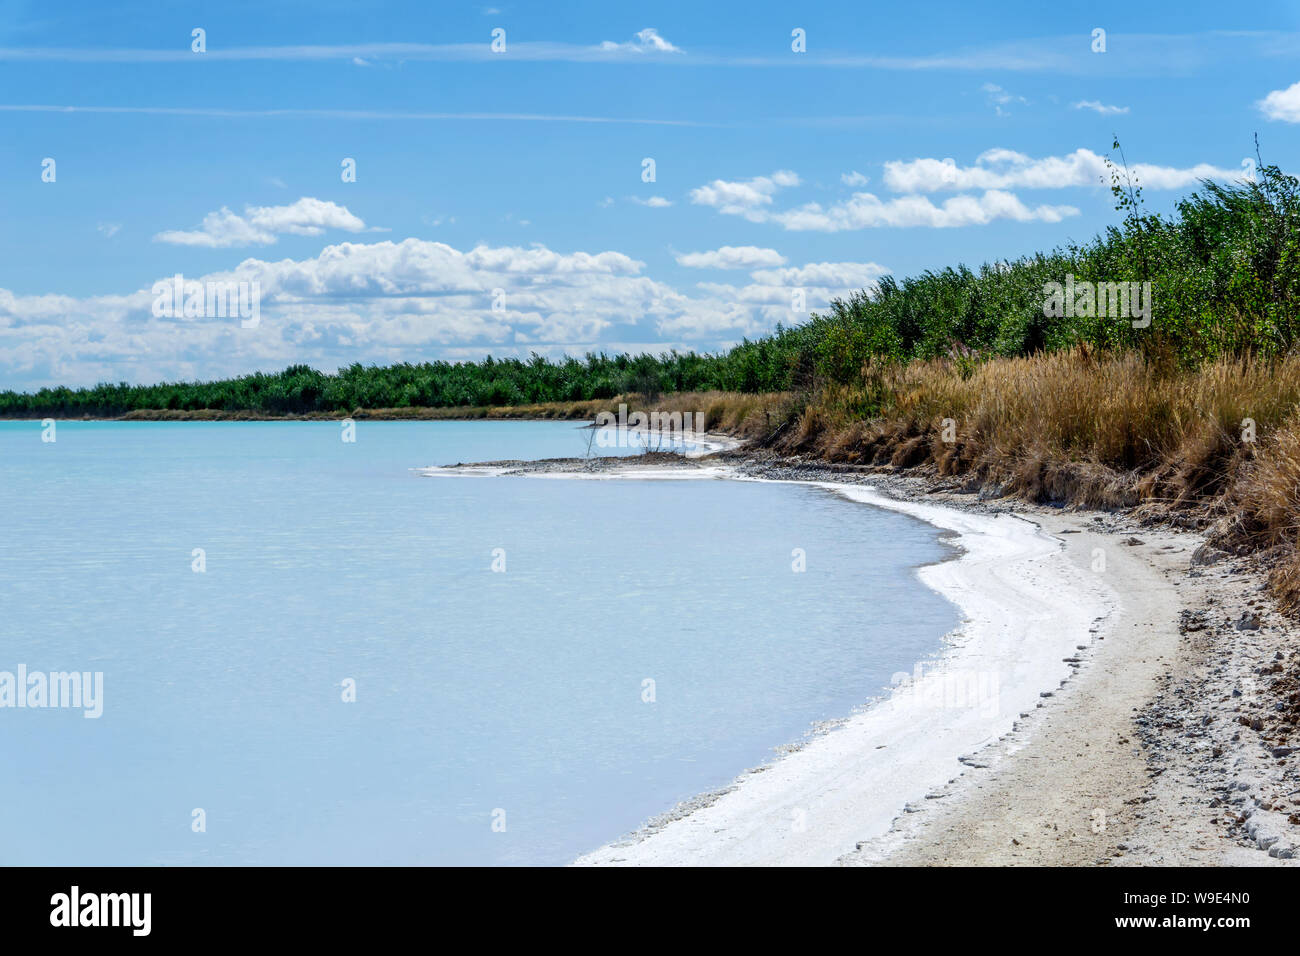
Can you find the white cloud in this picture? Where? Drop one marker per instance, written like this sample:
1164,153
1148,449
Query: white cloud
645,41
1006,169
842,276
771,291
752,199
654,202
854,178
1282,105
263,225
1101,108
109,229
732,257
865,211
387,301
998,98
744,197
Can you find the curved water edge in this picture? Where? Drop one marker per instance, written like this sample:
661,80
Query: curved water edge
1026,607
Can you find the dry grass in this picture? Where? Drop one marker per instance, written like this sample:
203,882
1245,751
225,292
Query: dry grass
746,416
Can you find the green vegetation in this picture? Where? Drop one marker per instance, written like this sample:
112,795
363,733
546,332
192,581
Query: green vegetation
1224,273
301,390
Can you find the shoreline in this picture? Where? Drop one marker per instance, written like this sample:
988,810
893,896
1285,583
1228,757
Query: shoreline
1098,770
845,787
212,415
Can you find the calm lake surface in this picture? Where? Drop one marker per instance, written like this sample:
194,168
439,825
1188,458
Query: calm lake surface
476,691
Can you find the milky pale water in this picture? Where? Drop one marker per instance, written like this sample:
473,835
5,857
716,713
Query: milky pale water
476,691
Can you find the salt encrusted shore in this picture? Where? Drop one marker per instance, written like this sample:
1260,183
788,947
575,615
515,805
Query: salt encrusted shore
1135,716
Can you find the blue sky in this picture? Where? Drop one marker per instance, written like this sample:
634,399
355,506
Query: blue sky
905,138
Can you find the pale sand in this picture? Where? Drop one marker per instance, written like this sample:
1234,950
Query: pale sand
1139,760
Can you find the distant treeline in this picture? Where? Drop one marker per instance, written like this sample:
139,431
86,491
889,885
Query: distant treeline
301,389
1223,274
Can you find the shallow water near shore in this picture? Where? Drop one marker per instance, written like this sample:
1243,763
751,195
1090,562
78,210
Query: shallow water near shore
513,697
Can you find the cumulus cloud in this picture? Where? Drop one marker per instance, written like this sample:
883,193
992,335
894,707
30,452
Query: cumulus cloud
744,197
1282,105
854,178
654,202
770,293
865,211
829,276
263,225
1007,169
1099,107
389,301
752,199
645,41
732,257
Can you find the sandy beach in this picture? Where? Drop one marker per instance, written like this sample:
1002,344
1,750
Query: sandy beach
1105,702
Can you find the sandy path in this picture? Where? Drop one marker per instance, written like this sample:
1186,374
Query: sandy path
1071,789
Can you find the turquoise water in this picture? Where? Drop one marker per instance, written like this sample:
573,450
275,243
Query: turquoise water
476,691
